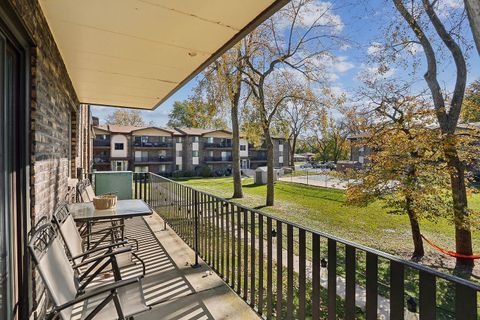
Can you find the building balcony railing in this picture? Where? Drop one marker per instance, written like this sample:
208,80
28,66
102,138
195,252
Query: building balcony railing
217,145
284,270
152,158
101,143
258,158
101,159
218,159
153,144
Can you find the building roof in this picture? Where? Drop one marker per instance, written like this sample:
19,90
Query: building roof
194,131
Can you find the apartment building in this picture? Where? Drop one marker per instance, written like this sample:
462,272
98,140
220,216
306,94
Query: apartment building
168,150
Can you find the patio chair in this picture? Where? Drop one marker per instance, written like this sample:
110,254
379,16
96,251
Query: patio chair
107,241
67,287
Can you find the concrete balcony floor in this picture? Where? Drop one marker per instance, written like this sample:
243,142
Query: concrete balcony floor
172,287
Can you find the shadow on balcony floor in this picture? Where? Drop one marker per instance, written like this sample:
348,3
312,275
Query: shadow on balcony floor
171,286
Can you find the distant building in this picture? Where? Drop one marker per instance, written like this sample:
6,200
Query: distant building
167,150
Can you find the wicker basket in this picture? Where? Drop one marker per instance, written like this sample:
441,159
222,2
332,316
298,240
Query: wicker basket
105,202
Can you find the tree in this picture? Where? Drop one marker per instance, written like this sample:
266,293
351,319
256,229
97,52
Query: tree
473,11
328,138
406,169
195,113
126,117
224,83
294,42
420,18
297,118
471,103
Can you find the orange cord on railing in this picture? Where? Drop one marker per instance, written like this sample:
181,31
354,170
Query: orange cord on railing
450,253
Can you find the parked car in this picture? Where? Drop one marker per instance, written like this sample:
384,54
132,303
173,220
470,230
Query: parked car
306,166
330,165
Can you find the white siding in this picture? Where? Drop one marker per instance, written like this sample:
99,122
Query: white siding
119,138
195,146
245,152
195,160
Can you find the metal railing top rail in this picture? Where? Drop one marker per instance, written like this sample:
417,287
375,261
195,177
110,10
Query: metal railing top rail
381,254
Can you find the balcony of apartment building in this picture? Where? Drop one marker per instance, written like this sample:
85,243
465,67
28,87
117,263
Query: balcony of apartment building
152,142
100,159
257,156
261,147
152,158
217,143
203,256
218,157
102,142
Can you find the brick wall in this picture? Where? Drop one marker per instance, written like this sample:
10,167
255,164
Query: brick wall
54,105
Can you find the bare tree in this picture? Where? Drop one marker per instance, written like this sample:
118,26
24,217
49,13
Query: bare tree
447,110
290,40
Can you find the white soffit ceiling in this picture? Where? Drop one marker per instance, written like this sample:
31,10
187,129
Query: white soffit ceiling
136,53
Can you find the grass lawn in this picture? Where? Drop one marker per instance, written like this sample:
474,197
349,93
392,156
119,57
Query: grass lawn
325,210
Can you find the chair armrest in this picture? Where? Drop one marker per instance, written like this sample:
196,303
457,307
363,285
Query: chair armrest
111,287
109,254
100,248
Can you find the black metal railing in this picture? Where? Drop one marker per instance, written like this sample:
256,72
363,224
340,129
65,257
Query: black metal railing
218,159
101,143
288,271
153,158
101,158
217,145
152,144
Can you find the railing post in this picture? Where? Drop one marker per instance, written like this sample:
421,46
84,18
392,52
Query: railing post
195,210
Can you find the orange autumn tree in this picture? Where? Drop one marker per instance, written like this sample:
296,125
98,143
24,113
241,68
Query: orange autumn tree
406,168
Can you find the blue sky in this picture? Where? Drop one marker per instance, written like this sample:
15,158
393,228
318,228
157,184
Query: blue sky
363,25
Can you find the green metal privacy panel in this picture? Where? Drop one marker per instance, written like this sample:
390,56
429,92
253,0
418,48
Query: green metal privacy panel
119,182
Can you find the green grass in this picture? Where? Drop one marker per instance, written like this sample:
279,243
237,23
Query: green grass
325,210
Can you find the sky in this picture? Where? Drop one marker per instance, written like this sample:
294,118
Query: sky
362,23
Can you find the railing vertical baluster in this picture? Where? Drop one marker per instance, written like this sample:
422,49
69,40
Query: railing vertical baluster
279,269
222,237
372,286
195,206
227,242
210,229
217,231
332,279
350,267
428,301
289,271
135,181
239,250
301,273
315,276
397,298
269,269
465,303
252,258
260,264
245,254
233,275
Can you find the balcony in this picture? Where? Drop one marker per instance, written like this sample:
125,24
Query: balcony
287,271
101,159
101,143
260,158
217,145
152,144
218,159
153,159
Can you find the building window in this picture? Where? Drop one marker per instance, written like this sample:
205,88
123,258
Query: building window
118,146
243,147
179,153
194,153
141,169
280,153
178,167
178,139
210,139
195,139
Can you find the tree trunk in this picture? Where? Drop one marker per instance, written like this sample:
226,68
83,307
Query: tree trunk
463,235
237,179
270,186
418,250
292,151
473,11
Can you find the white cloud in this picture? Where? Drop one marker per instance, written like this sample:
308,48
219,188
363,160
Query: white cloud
414,48
446,8
375,72
374,48
342,65
313,12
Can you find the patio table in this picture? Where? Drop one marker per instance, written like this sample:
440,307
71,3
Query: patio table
86,213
